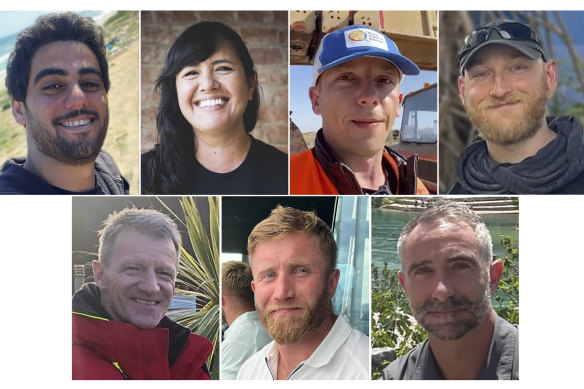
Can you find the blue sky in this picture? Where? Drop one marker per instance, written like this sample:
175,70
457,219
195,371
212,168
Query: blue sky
301,80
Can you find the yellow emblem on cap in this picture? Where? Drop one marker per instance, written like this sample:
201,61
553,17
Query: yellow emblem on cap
357,35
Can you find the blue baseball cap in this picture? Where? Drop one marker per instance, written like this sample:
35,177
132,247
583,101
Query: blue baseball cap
358,41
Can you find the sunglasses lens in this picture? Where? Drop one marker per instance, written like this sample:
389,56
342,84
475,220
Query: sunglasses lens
517,31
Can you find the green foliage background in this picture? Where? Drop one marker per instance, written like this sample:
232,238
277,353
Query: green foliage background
395,328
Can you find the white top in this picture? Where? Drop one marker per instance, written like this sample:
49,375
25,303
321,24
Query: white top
342,355
242,339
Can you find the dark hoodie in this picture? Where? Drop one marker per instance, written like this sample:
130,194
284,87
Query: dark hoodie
15,179
557,168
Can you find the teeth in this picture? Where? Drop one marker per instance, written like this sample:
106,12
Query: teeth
76,123
211,103
145,302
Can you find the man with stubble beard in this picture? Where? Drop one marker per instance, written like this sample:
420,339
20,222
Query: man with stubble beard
57,78
448,275
505,82
293,260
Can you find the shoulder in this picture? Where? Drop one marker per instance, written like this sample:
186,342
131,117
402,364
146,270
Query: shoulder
404,367
255,366
15,179
264,151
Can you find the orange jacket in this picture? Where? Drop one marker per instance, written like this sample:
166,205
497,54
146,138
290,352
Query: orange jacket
307,176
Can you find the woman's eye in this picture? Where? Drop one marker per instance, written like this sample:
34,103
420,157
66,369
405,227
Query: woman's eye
224,69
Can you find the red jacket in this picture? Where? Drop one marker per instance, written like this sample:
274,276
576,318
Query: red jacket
110,350
308,176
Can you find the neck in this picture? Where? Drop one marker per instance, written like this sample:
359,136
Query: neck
69,177
233,312
463,358
290,355
222,152
517,152
368,170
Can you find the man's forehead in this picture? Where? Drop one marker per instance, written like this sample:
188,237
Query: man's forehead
70,54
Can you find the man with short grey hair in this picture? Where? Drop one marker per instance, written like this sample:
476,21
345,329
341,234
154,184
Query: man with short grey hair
448,276
120,328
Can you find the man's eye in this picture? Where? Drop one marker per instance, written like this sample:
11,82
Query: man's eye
385,80
460,265
422,270
345,77
51,87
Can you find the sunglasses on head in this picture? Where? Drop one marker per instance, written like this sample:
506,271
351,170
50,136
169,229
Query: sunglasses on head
505,30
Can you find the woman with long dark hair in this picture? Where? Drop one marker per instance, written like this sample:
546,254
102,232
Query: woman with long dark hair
209,102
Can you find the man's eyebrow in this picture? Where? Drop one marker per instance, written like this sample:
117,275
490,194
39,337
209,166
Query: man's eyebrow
47,72
89,70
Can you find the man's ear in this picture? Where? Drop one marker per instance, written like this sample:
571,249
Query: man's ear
333,281
401,99
495,274
253,286
18,111
401,278
98,271
314,95
461,88
551,76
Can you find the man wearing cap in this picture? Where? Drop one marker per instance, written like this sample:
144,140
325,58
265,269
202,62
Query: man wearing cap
505,82
355,88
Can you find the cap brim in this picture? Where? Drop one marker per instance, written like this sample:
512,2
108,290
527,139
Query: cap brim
402,63
527,48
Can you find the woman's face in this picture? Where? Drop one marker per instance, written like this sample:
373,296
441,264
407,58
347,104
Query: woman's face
213,94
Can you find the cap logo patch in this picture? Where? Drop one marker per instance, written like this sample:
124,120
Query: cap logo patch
368,38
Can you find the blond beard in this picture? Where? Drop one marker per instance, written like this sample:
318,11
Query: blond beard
287,330
506,130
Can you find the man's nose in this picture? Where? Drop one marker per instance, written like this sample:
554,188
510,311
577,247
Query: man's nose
367,93
76,99
149,283
284,288
500,86
443,288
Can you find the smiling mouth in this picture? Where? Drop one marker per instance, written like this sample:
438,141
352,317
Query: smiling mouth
76,123
211,103
145,302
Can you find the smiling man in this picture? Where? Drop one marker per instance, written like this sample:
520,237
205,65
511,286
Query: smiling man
355,88
120,328
57,78
449,276
293,258
505,82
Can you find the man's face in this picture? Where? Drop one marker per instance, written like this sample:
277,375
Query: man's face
292,286
505,93
65,111
446,279
138,283
358,101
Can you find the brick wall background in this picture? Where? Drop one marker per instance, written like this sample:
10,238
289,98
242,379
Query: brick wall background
266,36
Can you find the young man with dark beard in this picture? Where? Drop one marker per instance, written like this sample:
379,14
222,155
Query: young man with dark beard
448,276
57,78
505,82
293,259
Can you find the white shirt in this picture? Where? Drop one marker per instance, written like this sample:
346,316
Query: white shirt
342,355
242,339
